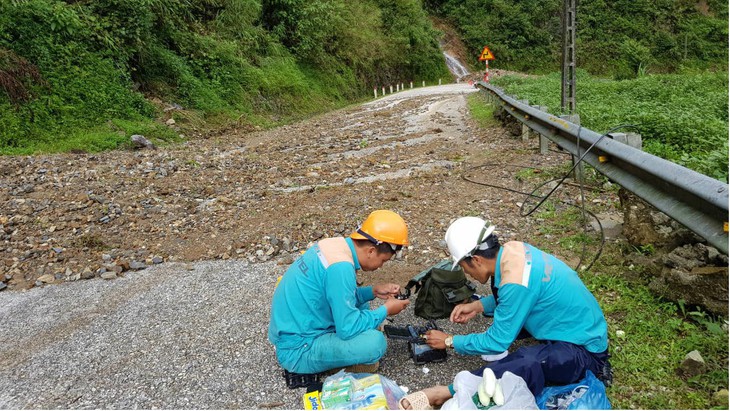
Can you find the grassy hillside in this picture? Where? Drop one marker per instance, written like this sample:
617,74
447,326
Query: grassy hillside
621,38
84,75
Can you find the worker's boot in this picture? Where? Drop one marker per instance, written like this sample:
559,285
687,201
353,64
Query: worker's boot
296,380
606,374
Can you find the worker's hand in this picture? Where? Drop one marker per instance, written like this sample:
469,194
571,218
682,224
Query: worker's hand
462,313
435,339
394,305
386,290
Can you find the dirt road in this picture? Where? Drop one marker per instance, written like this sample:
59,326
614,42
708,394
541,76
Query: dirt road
218,220
256,196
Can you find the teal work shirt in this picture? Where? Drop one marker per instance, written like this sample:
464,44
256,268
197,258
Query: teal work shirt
317,296
551,303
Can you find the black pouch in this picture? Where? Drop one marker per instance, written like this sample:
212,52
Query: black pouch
417,347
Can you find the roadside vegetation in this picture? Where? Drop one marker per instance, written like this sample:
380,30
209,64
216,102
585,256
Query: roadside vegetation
649,339
618,38
681,117
483,114
85,75
649,336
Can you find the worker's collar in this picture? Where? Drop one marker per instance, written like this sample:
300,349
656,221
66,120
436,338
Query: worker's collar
498,268
351,244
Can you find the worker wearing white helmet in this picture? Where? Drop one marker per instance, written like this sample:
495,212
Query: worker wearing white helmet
533,291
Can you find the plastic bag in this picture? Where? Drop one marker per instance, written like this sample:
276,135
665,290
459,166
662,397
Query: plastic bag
587,394
516,394
361,391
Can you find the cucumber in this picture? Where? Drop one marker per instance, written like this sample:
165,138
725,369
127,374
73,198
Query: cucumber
483,397
489,381
498,397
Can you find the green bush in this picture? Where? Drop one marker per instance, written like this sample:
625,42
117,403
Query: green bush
68,67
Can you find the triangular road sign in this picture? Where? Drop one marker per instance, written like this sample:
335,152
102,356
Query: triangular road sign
486,54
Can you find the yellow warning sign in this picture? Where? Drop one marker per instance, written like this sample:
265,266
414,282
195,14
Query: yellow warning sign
486,54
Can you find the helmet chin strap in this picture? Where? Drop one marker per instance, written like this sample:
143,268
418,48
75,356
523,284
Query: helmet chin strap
394,247
488,243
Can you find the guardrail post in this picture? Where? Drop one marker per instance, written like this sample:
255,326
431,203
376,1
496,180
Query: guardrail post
544,142
630,139
697,201
575,119
525,127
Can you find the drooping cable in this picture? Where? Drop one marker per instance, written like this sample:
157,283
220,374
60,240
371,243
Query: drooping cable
544,198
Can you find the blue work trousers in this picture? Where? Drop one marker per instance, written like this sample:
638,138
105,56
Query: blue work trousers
548,363
328,352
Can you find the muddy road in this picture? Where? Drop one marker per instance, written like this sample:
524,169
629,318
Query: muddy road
258,196
142,279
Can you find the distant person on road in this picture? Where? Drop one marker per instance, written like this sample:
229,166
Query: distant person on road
534,294
320,319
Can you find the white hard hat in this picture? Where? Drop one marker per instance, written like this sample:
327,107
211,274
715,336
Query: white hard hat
465,235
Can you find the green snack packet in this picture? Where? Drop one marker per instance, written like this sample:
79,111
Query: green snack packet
331,399
475,400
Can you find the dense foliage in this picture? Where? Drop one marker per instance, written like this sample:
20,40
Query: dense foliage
85,74
615,37
82,73
682,118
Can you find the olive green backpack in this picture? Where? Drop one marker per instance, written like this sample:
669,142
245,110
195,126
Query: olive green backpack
439,290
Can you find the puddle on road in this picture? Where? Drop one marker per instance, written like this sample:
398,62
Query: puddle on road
402,173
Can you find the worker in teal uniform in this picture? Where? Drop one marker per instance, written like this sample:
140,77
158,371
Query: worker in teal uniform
320,319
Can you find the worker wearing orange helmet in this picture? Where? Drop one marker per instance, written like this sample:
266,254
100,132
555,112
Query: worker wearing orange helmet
320,319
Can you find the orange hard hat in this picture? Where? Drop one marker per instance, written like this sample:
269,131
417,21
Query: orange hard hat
383,226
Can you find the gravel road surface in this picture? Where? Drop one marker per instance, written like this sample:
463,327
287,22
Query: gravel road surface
173,336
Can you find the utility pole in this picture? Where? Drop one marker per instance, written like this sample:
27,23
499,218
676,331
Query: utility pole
567,92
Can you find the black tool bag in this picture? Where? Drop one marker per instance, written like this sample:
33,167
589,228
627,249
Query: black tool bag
439,290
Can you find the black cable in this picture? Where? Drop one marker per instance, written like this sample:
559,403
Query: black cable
562,181
600,226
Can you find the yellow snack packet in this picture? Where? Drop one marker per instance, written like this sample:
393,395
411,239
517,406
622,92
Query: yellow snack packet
312,401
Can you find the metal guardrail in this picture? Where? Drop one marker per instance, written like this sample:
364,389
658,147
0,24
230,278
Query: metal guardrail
695,200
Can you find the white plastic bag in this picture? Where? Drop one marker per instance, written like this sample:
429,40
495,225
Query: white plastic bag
516,394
